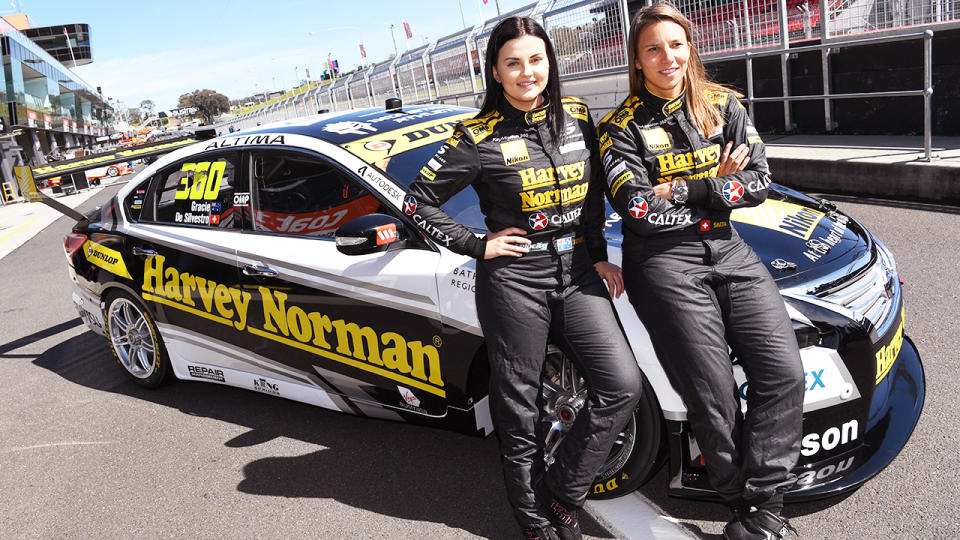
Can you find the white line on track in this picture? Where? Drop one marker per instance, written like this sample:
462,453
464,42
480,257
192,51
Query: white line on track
51,445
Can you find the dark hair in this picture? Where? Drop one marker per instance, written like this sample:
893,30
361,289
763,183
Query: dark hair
696,82
512,28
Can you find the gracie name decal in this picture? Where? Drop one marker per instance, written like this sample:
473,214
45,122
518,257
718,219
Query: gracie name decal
387,354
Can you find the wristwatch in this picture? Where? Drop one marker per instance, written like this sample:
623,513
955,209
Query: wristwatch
680,190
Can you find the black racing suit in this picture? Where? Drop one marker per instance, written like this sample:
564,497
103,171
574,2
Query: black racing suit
554,192
698,288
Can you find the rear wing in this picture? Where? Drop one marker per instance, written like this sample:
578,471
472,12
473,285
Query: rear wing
27,177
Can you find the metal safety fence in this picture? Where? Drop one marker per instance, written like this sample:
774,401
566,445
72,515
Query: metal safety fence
588,36
590,39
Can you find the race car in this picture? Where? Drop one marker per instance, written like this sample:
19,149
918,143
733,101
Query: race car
117,169
279,259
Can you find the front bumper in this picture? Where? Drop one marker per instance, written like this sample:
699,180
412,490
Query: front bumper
888,430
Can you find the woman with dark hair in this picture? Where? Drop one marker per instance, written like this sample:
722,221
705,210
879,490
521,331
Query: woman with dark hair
540,270
680,152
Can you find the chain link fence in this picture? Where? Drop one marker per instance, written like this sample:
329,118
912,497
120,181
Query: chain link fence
587,36
359,92
452,66
412,76
382,83
726,25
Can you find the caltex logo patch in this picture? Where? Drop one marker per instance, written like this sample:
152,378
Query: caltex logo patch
733,191
537,221
637,207
409,205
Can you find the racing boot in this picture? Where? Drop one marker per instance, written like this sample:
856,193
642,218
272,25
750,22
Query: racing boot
542,532
759,524
565,520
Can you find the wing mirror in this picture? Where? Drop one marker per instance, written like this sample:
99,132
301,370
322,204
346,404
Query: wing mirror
369,234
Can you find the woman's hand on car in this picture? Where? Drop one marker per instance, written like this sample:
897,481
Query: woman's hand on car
506,243
613,275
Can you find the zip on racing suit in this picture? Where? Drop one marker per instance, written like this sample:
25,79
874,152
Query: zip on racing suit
553,293
698,288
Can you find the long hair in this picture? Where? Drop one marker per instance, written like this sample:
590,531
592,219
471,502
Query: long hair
696,83
512,28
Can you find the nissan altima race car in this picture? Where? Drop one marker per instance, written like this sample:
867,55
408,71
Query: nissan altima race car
280,260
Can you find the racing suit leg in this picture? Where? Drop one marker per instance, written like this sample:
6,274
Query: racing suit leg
761,335
513,313
586,329
670,293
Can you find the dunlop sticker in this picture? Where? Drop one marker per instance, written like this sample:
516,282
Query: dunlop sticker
405,138
106,258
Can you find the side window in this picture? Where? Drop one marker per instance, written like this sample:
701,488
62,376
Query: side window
199,192
302,194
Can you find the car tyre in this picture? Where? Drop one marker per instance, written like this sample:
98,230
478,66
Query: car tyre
113,171
134,340
640,449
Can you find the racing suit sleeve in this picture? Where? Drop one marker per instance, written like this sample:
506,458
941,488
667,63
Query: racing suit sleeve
594,210
745,188
454,167
628,183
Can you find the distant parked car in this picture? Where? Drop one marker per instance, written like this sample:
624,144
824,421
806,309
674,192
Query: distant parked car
117,169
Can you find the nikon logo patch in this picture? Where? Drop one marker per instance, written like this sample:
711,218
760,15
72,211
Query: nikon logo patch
655,139
514,152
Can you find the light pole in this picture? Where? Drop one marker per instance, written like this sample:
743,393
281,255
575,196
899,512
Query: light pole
394,38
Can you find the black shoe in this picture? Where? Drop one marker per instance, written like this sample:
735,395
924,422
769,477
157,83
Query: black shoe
565,520
759,525
544,532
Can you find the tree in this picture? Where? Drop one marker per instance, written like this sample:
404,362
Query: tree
208,103
134,115
147,107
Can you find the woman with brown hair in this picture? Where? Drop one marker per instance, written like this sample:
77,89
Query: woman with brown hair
529,154
680,152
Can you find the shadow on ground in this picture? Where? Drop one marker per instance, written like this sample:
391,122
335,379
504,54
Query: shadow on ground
399,470
692,513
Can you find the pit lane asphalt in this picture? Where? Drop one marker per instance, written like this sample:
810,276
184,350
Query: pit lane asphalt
84,452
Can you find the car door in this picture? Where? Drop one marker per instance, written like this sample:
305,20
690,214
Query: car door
363,328
184,246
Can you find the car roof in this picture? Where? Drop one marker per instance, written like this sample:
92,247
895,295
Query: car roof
345,127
